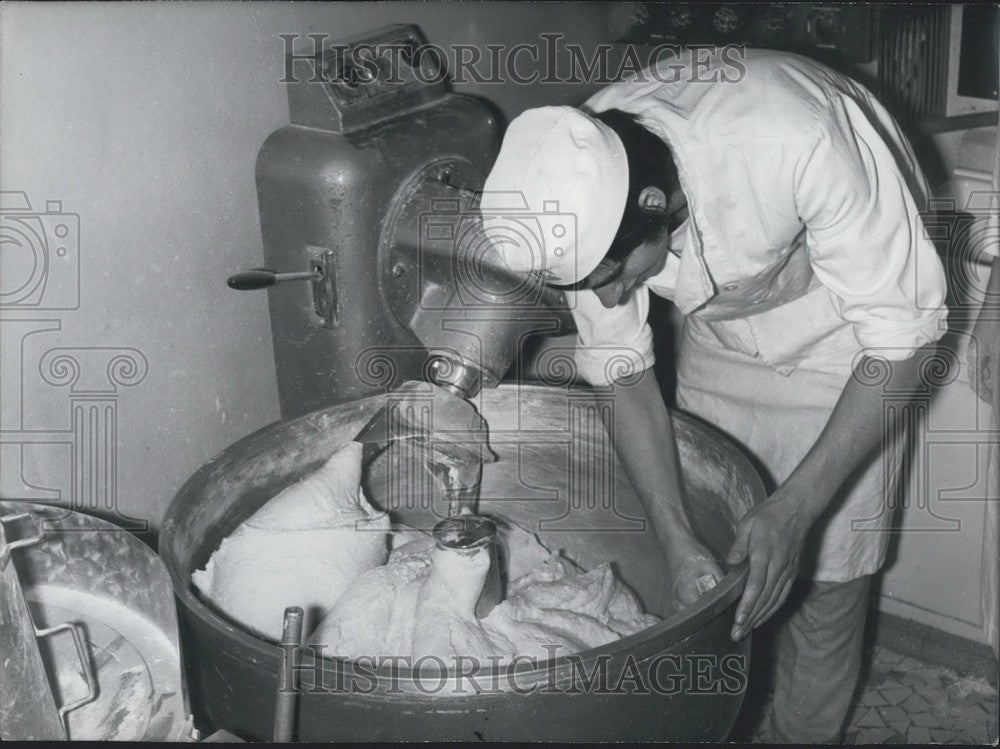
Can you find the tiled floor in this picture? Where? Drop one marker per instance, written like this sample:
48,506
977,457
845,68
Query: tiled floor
902,700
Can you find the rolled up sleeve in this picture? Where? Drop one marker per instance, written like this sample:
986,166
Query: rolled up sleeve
867,243
612,344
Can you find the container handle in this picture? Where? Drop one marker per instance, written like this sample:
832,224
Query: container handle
8,547
84,655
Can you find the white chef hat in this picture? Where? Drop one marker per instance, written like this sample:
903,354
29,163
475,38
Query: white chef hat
556,194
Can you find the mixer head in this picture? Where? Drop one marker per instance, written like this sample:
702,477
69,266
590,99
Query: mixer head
445,282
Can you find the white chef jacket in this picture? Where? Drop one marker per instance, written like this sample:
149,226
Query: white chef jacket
804,244
804,250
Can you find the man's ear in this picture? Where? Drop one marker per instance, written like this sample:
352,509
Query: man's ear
653,199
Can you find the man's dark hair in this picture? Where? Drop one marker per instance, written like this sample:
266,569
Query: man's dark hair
650,164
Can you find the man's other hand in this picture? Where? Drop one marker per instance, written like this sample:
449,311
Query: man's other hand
771,536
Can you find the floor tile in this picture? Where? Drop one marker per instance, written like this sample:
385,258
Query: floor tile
941,712
874,735
932,675
915,704
900,726
890,714
909,663
918,735
925,720
855,713
872,699
941,735
978,734
889,656
967,712
875,677
895,695
934,695
905,701
869,719
913,680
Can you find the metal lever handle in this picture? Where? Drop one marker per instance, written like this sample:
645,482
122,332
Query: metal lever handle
261,278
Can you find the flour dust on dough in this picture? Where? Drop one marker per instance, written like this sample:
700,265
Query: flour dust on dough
422,603
303,548
320,545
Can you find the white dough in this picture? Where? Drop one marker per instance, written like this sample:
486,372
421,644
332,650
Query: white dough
555,610
320,545
422,603
303,548
445,622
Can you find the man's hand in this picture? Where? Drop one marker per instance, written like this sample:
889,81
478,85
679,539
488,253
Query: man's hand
771,536
645,443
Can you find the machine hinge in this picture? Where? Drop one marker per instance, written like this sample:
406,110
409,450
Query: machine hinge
324,286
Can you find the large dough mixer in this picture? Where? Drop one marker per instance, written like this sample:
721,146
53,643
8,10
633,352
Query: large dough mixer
681,680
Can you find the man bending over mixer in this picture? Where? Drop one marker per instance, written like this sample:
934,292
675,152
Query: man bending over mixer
779,213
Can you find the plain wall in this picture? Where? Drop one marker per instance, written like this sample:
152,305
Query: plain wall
935,575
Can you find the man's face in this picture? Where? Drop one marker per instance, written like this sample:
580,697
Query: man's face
644,262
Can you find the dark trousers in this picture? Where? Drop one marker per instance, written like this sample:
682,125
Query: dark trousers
817,660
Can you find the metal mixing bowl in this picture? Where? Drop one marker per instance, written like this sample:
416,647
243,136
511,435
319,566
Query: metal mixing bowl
680,680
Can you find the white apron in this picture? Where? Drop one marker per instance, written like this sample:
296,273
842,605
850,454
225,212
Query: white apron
776,419
737,370
804,249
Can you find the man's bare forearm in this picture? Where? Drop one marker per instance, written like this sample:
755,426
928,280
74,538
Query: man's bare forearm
644,441
772,534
